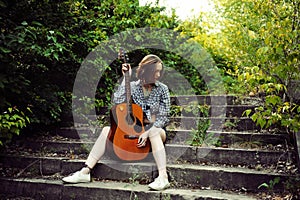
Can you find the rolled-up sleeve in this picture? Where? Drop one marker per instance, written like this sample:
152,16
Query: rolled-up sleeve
119,96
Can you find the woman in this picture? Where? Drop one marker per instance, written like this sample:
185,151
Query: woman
154,98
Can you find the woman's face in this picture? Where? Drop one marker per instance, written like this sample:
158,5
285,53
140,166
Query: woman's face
150,71
157,72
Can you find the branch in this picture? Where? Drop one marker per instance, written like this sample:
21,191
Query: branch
23,170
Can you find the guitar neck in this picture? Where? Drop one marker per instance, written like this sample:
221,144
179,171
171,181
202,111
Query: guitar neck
122,56
128,92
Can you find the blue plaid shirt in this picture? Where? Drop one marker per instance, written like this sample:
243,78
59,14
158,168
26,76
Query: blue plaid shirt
157,103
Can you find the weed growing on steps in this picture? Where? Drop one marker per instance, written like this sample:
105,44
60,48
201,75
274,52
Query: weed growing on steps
199,136
133,180
133,196
270,186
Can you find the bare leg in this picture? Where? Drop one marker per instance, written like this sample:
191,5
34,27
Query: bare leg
157,138
97,151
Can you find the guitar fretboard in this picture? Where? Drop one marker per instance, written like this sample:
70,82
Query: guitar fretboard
128,96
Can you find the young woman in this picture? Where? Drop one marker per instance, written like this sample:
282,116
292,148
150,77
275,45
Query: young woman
154,99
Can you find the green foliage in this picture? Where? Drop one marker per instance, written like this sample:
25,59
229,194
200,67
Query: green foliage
274,62
175,110
43,44
270,186
276,114
12,122
256,45
200,136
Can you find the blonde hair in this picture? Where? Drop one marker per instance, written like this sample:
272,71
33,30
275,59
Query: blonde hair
147,67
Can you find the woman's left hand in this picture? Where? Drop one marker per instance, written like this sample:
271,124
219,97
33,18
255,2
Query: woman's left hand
143,139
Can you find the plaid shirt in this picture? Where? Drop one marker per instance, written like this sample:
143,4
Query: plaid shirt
157,103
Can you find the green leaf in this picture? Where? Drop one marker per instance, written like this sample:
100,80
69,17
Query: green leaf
56,56
259,108
261,122
3,5
254,117
5,50
37,23
273,99
247,112
24,23
263,185
262,50
276,180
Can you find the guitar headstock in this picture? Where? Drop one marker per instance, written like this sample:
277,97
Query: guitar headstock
123,55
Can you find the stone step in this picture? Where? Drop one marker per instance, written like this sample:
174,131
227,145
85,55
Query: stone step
56,190
263,138
204,99
230,138
183,175
182,136
191,111
185,122
184,153
85,131
219,110
216,123
216,101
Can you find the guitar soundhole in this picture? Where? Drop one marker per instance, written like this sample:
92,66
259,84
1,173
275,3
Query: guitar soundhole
138,126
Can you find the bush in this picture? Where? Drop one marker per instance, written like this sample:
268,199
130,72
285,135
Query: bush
42,46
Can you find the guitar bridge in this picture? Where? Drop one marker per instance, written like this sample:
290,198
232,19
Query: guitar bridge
131,137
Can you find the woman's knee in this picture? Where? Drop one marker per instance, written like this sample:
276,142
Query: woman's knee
158,132
163,135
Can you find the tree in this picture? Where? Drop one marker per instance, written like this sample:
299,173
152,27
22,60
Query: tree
265,47
256,44
42,46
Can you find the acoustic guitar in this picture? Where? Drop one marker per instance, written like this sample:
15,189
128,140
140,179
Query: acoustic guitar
127,124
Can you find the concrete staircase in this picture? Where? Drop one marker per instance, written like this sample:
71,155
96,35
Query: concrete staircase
235,160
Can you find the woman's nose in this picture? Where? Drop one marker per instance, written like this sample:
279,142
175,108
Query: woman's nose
157,74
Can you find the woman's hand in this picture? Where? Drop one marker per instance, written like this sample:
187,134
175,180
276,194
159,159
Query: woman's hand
143,139
125,68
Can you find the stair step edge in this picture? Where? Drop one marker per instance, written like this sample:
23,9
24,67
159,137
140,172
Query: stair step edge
114,189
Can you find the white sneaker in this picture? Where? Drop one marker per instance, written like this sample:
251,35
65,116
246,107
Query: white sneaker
77,177
159,184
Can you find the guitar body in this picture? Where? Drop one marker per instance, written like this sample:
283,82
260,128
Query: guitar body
125,131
